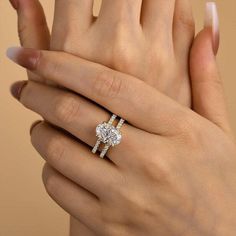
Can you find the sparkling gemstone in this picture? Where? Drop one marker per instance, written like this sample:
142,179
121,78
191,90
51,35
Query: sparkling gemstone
108,134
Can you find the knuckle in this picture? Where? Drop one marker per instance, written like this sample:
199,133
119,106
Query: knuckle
157,169
68,43
121,59
187,22
191,132
55,150
122,54
68,46
66,109
120,27
22,33
48,66
108,84
216,83
116,230
182,121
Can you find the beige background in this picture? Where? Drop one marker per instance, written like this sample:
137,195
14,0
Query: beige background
25,208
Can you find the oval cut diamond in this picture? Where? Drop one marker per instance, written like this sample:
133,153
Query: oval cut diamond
108,134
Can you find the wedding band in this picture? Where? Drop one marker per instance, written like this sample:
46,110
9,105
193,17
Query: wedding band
108,134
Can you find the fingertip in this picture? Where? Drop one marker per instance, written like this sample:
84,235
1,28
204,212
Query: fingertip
13,52
25,57
212,22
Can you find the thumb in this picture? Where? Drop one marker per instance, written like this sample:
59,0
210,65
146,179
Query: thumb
207,88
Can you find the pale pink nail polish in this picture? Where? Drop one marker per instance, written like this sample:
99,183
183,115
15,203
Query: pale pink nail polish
25,57
212,21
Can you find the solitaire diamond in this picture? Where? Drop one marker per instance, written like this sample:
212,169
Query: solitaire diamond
108,134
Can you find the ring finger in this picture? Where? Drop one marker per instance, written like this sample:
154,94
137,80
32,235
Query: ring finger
78,116
72,18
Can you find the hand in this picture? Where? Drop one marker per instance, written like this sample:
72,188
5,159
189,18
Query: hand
33,33
128,36
138,37
158,47
172,174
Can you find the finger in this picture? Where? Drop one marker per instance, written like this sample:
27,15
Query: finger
32,27
73,159
158,16
208,94
72,198
71,19
132,99
183,29
126,11
76,115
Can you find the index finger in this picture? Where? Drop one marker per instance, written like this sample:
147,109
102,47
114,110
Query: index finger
132,99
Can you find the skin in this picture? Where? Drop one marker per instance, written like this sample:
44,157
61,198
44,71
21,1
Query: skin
127,35
132,71
159,46
172,175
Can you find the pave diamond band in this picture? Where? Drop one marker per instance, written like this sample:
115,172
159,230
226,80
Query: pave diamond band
108,134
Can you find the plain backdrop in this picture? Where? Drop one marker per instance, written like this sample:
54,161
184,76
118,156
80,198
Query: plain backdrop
25,208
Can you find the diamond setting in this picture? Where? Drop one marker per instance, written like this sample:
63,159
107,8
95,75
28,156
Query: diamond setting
108,134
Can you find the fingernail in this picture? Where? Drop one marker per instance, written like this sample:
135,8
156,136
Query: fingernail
17,88
14,3
25,57
212,21
34,125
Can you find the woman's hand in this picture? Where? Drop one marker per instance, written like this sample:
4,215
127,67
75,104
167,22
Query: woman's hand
172,174
148,39
117,40
33,33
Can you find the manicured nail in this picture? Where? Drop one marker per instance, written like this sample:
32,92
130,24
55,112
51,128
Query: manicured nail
14,3
34,125
17,88
25,57
212,20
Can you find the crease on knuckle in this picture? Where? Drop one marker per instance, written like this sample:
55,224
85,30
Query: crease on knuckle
49,66
22,29
66,109
187,22
157,170
108,84
121,59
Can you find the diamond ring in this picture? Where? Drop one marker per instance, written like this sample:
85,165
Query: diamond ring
108,134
